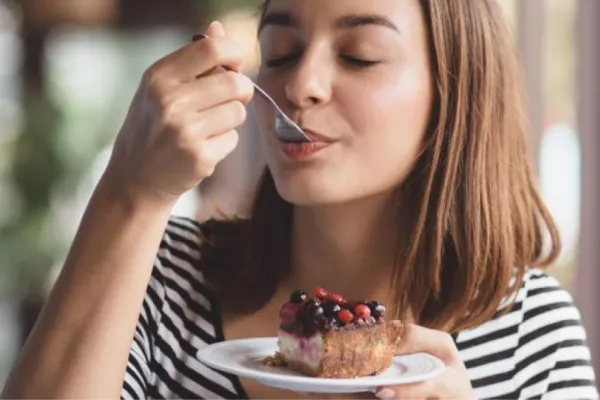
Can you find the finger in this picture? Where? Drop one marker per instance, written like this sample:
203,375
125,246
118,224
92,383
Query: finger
205,93
422,390
337,396
213,150
212,122
216,29
418,339
203,56
195,60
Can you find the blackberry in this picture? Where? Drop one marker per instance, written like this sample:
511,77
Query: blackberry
298,296
309,328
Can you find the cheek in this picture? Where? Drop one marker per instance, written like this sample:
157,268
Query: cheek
391,118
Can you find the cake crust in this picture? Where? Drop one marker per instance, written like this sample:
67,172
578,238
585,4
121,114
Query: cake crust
359,352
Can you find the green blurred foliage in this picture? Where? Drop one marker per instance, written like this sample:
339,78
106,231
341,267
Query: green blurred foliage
46,159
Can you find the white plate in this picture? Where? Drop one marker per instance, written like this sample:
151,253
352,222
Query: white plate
244,358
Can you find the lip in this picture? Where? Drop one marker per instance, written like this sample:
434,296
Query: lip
317,137
299,151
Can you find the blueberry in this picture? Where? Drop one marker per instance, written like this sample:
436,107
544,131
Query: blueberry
377,309
298,296
331,309
312,309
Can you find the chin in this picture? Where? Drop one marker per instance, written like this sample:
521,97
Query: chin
307,195
308,189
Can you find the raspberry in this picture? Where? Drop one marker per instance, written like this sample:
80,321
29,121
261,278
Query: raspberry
287,313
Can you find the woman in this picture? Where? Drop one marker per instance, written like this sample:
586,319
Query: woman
417,187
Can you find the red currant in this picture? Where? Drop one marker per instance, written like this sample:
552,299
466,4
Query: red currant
345,316
337,298
362,311
321,293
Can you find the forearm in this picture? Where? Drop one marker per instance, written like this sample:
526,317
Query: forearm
80,345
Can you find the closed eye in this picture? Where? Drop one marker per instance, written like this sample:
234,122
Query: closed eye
358,62
281,61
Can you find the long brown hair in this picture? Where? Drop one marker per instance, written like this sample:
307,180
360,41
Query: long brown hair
479,219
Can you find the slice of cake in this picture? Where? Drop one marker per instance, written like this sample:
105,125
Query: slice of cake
329,337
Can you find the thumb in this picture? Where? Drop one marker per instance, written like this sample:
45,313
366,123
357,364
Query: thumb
216,29
417,339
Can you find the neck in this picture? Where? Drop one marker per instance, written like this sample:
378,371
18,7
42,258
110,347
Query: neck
348,249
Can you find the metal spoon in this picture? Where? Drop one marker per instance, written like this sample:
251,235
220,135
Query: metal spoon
286,129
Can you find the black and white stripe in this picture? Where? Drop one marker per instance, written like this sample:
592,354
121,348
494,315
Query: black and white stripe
536,351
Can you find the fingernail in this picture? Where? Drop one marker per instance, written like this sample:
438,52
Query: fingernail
385,394
215,24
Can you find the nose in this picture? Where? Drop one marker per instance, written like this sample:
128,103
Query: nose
310,82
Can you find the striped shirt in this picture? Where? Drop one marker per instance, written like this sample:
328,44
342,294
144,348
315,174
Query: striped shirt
537,350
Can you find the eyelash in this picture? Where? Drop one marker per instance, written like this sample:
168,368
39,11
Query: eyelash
356,62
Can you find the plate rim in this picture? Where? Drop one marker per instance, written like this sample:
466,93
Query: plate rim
264,376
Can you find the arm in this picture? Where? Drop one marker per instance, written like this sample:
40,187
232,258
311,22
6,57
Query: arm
181,124
137,382
79,346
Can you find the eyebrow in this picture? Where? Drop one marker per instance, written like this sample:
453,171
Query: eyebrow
356,20
283,19
287,20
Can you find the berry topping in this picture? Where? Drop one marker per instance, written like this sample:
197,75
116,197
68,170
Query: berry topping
313,309
351,304
337,298
321,293
305,316
345,316
298,296
380,309
377,309
362,311
331,308
289,327
287,313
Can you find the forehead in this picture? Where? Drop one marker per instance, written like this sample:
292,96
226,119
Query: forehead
313,13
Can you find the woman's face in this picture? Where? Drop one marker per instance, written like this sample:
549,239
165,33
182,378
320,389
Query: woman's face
356,75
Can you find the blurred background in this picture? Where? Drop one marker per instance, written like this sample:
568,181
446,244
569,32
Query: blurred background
69,68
